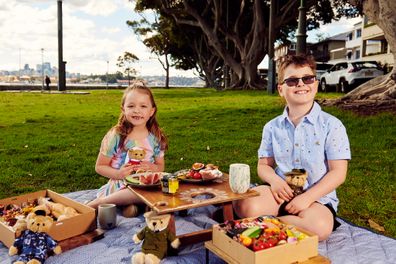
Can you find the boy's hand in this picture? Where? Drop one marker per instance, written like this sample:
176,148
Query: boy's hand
281,190
299,203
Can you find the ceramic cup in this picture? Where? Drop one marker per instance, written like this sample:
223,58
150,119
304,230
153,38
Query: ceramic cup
239,177
107,215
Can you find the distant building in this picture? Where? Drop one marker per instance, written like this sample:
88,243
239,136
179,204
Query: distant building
374,45
353,44
329,49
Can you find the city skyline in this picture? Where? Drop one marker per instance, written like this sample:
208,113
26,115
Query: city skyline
94,32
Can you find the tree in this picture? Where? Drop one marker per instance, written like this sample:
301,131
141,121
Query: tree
125,63
156,36
239,36
381,12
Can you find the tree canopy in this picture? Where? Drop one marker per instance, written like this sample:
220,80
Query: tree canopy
208,36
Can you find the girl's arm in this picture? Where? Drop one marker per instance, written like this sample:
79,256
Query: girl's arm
279,188
158,165
103,168
334,178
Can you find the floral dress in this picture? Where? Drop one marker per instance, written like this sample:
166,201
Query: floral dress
111,148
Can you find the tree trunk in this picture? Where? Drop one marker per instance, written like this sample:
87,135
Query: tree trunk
383,88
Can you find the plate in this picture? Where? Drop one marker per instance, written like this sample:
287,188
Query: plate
134,179
179,174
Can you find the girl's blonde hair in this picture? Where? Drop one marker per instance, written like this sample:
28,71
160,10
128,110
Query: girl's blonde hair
124,127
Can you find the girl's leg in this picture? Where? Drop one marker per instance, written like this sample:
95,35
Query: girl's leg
317,219
121,197
264,204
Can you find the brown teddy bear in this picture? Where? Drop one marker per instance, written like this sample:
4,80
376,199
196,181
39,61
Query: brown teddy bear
296,180
34,244
156,236
136,155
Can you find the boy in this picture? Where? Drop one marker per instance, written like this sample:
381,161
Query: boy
303,137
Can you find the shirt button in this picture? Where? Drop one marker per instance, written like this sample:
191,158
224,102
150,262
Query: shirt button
296,145
297,160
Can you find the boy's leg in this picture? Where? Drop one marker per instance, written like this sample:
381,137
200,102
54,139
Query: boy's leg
121,197
264,204
317,219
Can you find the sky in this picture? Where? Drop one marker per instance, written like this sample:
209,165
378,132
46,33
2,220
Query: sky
94,32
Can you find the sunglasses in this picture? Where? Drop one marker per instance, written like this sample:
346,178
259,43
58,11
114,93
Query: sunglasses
310,79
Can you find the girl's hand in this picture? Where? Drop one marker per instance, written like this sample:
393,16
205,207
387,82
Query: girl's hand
298,204
146,166
124,171
281,190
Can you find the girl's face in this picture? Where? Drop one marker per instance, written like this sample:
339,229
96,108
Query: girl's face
137,108
295,90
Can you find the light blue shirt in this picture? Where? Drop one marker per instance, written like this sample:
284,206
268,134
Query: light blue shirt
319,137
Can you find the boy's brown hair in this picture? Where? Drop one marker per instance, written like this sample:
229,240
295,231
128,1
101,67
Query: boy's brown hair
298,60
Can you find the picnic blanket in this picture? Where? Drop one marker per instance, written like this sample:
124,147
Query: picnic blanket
349,244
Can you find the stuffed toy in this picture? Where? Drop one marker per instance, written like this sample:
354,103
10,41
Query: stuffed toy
156,237
136,155
34,244
296,180
58,210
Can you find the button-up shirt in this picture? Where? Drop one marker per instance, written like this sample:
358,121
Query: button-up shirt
319,137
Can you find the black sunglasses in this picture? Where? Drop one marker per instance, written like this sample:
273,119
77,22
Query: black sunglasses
310,79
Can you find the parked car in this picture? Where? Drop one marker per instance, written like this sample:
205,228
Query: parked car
321,68
345,76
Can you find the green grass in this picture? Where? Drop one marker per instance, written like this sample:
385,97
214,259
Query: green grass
52,140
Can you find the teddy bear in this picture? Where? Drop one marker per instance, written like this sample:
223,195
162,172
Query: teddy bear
296,180
136,155
34,244
156,237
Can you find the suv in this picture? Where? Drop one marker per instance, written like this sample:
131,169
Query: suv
322,68
346,75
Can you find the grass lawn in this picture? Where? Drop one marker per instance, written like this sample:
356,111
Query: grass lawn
52,140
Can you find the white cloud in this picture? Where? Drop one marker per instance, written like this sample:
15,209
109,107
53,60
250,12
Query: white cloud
334,28
94,32
111,30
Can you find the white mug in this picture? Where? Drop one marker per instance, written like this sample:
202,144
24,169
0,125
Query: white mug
107,215
239,177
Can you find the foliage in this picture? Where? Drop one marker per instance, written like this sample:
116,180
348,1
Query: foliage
52,141
235,33
125,62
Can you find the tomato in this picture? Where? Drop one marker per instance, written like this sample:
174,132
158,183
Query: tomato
258,245
191,173
197,176
272,242
282,235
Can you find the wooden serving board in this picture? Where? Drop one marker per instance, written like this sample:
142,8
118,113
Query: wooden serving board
81,240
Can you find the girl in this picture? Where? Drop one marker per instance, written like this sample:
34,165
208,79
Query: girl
137,128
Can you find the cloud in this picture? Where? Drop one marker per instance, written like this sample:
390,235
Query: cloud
337,27
111,30
94,32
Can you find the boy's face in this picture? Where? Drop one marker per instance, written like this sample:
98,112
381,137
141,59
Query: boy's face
298,92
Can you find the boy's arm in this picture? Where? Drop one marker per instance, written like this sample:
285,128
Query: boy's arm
334,178
279,188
